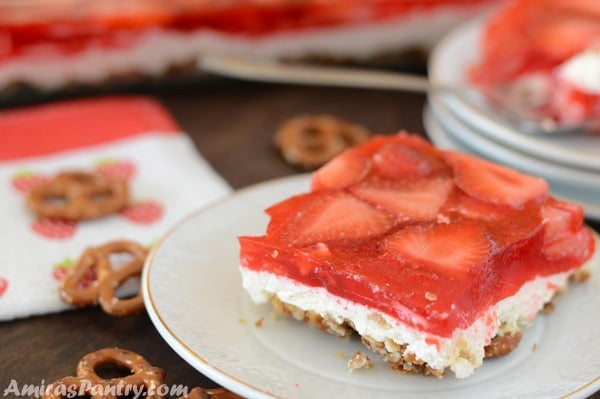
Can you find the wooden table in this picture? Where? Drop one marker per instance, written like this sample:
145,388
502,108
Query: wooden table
232,125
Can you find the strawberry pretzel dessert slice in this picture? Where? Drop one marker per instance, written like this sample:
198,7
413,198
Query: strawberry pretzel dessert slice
546,55
435,258
49,44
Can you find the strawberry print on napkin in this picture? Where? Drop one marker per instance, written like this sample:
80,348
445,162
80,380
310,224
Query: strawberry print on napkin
134,138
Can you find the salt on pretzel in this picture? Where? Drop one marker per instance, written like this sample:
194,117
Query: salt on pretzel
142,375
107,297
310,141
102,289
78,196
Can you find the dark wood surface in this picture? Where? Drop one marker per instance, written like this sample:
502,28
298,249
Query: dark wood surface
232,125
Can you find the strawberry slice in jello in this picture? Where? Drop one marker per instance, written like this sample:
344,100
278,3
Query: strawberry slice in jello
431,256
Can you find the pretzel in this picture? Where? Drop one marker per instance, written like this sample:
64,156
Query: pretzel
72,287
103,287
78,196
311,141
217,393
143,375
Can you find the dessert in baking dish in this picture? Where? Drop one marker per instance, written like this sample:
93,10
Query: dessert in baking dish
435,258
547,54
49,44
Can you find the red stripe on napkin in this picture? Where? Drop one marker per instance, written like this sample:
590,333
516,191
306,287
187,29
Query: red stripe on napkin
56,127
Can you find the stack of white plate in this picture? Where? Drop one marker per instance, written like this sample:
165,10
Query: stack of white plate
570,163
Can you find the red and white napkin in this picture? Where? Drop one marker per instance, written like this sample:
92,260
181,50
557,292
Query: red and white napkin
131,136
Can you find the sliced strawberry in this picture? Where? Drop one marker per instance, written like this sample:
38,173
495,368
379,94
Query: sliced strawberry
419,200
563,224
573,247
472,208
493,183
561,37
457,247
505,225
406,157
512,226
335,216
342,171
283,212
396,161
561,218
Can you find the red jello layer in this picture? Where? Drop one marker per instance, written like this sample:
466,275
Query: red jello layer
429,237
71,26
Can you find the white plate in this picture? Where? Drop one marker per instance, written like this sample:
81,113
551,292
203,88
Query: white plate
192,292
446,132
449,63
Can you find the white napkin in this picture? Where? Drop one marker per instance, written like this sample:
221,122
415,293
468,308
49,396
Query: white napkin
168,179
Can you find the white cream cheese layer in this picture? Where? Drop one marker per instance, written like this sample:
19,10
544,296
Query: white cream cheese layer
583,71
462,353
155,51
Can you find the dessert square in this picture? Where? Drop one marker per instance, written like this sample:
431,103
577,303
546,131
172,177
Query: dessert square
435,258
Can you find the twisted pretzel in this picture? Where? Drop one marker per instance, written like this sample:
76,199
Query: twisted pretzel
103,286
143,375
78,196
311,141
73,290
